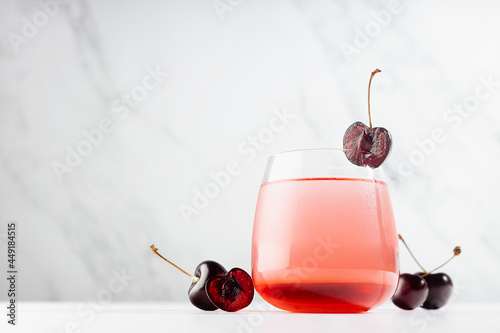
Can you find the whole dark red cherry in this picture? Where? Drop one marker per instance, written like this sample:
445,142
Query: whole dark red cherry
411,292
366,145
203,272
197,292
231,292
440,290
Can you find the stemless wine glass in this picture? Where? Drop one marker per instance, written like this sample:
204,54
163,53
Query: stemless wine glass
324,237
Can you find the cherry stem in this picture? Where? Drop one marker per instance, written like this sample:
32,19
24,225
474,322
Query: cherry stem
369,85
401,238
456,251
155,250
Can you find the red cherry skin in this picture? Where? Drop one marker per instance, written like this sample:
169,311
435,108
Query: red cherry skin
197,292
411,292
440,290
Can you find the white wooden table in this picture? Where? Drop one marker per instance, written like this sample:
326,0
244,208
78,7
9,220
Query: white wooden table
259,317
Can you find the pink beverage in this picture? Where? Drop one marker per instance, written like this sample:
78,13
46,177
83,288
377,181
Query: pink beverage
325,244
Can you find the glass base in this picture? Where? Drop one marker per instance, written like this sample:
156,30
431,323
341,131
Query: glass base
326,297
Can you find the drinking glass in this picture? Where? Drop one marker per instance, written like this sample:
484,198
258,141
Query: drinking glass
324,236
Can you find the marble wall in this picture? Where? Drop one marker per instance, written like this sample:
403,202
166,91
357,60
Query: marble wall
113,114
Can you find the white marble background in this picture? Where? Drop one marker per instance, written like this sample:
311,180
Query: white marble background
69,68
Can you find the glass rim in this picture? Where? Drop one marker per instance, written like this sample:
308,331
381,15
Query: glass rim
317,163
313,149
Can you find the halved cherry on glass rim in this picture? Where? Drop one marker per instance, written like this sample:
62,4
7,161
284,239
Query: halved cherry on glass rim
367,145
214,288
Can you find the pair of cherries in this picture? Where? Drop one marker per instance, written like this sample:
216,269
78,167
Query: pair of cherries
213,287
425,289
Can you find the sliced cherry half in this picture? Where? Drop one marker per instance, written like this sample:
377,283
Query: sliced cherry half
367,145
231,292
204,271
